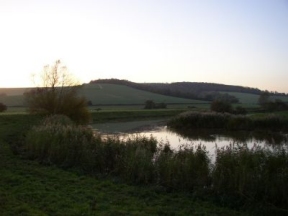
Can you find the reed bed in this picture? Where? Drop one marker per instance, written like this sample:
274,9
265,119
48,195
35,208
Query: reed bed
227,121
253,175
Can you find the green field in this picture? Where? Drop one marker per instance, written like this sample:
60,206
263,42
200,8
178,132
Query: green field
104,94
112,96
250,100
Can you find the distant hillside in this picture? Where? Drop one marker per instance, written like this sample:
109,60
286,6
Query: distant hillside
12,96
123,92
109,94
250,99
199,91
102,94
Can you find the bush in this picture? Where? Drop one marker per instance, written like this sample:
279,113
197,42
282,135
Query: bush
150,104
221,106
3,107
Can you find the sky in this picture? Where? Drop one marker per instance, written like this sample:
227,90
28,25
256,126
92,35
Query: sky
242,42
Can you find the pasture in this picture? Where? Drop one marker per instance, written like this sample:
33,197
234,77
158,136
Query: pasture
105,94
251,100
102,94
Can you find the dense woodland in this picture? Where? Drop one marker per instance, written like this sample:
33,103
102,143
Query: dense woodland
190,90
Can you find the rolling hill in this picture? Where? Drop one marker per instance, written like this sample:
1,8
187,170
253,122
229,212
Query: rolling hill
109,94
102,94
122,92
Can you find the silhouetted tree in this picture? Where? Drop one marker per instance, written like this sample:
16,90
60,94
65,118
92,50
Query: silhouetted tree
57,95
264,99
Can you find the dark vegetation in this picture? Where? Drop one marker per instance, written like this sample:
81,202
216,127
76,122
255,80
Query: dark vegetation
28,187
3,107
226,107
150,104
227,121
241,178
269,105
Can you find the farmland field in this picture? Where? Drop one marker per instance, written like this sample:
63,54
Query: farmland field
104,94
249,100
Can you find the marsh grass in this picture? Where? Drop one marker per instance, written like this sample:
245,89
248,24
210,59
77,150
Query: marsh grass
213,120
255,175
186,169
58,141
136,160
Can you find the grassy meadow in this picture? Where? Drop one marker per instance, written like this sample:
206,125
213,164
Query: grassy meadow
251,100
102,94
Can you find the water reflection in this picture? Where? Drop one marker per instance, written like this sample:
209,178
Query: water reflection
269,138
212,138
209,138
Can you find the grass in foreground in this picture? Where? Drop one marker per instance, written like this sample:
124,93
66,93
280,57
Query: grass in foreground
241,178
29,188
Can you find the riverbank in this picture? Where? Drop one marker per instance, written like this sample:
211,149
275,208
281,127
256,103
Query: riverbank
212,120
31,188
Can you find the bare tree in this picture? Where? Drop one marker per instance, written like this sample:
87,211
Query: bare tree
57,94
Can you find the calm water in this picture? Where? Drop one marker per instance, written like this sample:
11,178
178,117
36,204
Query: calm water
208,138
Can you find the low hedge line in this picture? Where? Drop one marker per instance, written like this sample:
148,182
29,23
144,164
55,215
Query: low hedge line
213,120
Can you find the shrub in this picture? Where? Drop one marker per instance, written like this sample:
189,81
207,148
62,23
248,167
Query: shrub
3,107
221,106
191,120
149,104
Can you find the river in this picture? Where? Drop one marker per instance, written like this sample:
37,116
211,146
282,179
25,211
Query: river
208,138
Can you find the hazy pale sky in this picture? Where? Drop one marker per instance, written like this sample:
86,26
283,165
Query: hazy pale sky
242,42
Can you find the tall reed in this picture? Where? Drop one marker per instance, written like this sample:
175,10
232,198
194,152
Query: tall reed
186,169
257,174
58,141
213,120
254,175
